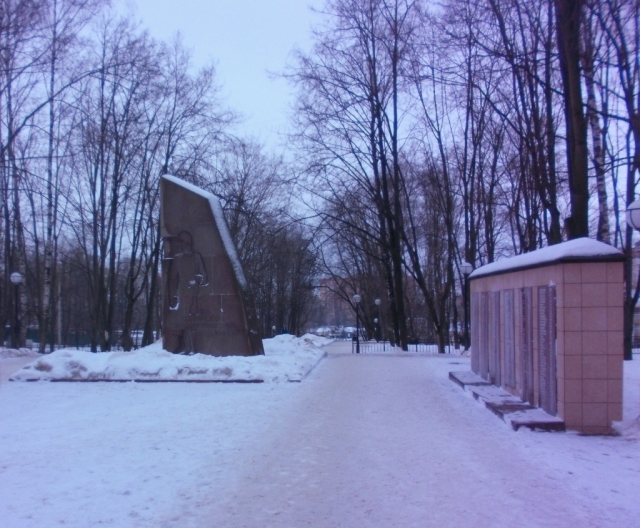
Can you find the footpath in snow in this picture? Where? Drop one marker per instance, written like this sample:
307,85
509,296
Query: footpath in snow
365,440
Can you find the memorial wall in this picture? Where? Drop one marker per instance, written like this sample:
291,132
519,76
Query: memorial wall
547,327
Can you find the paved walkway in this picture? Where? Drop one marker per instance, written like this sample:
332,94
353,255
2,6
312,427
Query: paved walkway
389,441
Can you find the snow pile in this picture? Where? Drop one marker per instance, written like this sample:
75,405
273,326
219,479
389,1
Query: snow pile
315,340
629,427
17,353
287,358
578,249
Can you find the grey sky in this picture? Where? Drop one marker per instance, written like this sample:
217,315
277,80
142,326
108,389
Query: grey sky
246,39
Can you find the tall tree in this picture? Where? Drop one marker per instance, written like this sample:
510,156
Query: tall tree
350,110
569,17
64,20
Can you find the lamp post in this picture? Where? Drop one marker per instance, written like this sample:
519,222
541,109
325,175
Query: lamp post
633,219
273,331
356,299
633,215
466,269
16,279
378,302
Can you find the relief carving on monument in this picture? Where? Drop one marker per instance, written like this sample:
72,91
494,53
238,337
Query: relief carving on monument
207,306
185,285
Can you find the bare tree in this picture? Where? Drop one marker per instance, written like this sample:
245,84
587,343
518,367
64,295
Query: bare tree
64,19
569,17
351,108
619,21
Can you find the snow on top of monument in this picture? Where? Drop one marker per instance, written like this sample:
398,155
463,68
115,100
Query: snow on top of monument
216,210
579,249
287,358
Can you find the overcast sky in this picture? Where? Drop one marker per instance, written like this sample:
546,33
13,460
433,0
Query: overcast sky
246,39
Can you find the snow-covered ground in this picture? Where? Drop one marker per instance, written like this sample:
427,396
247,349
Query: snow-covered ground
12,360
369,440
286,358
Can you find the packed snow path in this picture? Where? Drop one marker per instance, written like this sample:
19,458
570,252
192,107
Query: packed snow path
365,440
382,441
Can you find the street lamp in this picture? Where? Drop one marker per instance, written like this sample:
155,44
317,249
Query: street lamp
633,215
273,331
16,279
357,299
633,219
466,269
378,302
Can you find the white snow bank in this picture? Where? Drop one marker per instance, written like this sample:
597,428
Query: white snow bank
630,424
17,352
580,248
287,358
315,340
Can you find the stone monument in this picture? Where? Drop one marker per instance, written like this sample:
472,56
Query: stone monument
207,306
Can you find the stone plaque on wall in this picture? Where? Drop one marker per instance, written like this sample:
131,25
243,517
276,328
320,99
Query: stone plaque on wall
509,349
207,306
494,338
547,348
526,344
484,335
475,333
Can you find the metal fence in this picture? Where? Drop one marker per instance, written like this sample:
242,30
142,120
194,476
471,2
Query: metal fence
382,347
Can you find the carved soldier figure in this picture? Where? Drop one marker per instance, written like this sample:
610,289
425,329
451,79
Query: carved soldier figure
187,276
187,273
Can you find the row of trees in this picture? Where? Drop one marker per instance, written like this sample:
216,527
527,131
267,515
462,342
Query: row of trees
425,136
466,131
92,112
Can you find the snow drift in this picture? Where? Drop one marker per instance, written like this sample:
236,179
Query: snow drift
287,358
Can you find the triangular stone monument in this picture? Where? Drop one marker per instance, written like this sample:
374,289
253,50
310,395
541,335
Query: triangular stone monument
206,303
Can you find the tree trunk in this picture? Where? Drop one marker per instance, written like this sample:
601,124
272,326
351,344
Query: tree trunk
568,22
